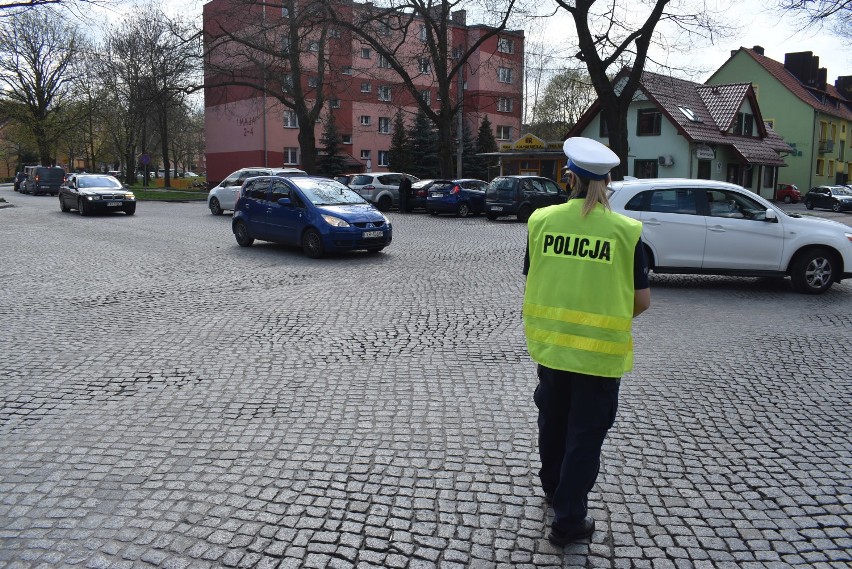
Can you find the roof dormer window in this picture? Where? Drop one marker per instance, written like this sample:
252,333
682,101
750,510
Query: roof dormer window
689,114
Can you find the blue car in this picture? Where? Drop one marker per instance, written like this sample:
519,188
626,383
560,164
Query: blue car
317,214
459,197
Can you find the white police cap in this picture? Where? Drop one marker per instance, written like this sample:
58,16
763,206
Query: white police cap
589,158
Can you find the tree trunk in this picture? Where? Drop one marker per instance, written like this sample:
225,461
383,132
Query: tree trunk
446,148
616,118
307,146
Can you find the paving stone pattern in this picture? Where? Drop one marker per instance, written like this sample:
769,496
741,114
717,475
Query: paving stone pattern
169,399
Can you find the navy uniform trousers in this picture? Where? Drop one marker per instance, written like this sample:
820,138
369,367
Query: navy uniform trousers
575,411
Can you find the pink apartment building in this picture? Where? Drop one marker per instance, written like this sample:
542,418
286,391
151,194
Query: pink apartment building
245,128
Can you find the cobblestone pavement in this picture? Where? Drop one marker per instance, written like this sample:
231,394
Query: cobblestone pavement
169,399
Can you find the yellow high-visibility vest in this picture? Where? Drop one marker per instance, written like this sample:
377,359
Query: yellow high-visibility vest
578,303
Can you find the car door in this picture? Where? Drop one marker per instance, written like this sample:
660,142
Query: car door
285,221
554,194
254,207
672,227
738,235
821,198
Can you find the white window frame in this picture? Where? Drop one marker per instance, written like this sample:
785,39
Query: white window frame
421,33
384,62
366,120
424,65
313,45
365,154
346,138
291,155
504,74
290,119
346,70
366,87
334,33
505,45
334,103
504,132
313,81
384,125
384,158
366,53
426,96
504,104
385,93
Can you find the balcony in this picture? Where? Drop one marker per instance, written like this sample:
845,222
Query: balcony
826,146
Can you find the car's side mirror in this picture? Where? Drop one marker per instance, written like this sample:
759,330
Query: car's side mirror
771,216
285,201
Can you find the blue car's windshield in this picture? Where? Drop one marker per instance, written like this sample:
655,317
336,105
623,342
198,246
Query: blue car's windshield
327,192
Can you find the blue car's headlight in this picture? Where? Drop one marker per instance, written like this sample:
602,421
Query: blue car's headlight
335,221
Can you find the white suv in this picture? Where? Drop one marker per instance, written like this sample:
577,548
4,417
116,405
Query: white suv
708,227
380,188
224,195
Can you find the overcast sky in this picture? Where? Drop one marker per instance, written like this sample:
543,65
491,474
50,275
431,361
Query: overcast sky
777,35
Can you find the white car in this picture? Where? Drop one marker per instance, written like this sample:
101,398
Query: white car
708,227
380,188
224,195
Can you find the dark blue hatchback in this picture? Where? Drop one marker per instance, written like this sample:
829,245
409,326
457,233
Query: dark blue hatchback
317,214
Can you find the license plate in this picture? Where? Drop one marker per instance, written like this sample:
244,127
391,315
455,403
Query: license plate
113,204
437,195
371,234
496,208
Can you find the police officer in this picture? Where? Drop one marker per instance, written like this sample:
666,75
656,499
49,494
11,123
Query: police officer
587,278
404,194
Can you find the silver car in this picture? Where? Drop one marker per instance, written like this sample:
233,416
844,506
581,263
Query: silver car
224,195
380,188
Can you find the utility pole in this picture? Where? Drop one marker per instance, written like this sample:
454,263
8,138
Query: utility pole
460,127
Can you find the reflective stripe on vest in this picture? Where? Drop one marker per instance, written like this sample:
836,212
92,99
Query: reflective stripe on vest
578,308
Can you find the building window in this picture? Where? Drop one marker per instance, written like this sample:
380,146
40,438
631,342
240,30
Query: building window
421,32
313,81
384,125
504,104
334,103
334,33
383,158
603,130
504,75
823,131
291,155
820,167
384,29
384,62
384,93
649,122
366,120
366,87
645,168
290,119
366,53
365,155
770,123
346,138
745,124
424,65
426,96
505,45
285,12
346,70
504,132
313,45
831,168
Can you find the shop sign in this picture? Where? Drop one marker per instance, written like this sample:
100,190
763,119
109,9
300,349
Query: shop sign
704,152
529,142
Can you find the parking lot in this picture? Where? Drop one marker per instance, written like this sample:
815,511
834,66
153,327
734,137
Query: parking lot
170,399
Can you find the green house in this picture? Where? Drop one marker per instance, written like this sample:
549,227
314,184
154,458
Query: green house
812,116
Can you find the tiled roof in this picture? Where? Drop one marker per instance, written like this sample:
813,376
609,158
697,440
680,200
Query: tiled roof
715,108
777,70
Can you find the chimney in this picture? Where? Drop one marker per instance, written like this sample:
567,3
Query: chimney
734,52
821,78
758,50
844,86
803,65
460,17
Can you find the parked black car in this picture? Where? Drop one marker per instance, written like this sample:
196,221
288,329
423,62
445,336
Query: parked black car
460,197
88,193
20,178
835,198
521,195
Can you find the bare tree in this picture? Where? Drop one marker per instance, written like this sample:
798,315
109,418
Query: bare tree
836,15
19,5
617,34
37,50
277,48
415,39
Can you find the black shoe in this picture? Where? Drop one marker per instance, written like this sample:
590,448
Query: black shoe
562,537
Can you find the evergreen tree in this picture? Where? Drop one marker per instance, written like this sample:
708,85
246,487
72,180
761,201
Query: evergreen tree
399,155
485,142
424,147
330,162
469,156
